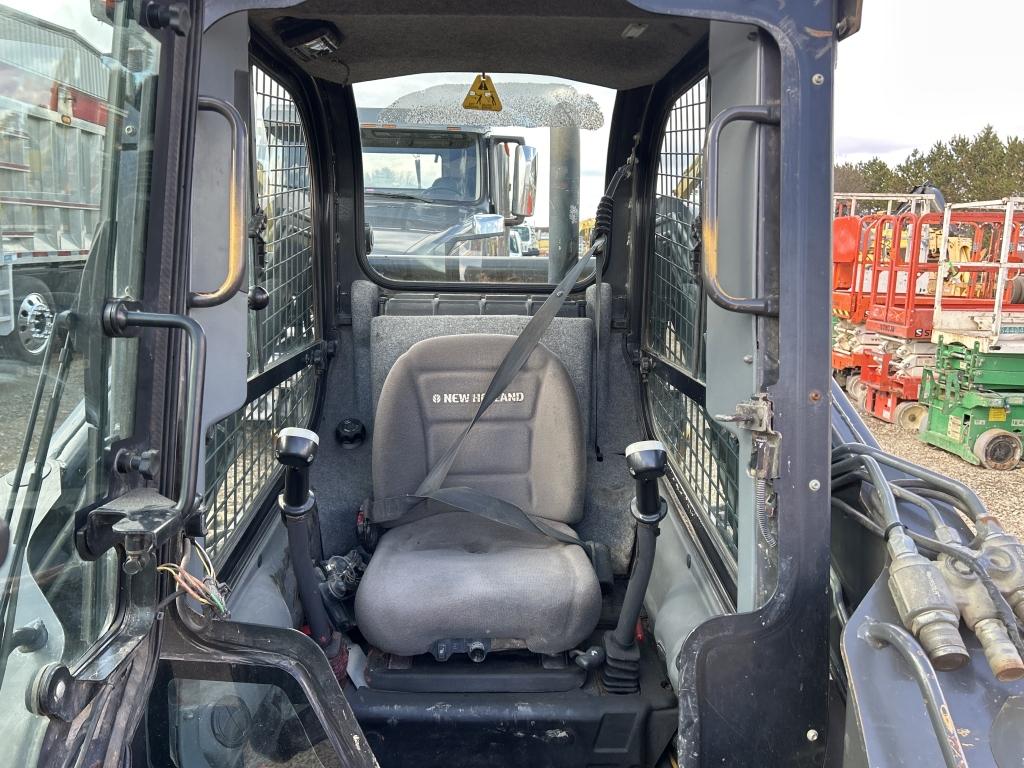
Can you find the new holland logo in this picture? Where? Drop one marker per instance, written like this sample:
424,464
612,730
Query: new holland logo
462,398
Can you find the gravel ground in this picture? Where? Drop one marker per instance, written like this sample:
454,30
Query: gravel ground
17,387
1002,492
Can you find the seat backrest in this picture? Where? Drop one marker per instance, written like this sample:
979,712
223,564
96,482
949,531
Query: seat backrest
527,449
571,339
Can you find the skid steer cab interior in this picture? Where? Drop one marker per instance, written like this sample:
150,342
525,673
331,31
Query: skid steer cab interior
447,384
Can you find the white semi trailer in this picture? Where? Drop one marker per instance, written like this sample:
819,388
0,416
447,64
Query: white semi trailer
52,131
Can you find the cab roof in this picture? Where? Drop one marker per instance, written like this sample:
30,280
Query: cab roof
603,42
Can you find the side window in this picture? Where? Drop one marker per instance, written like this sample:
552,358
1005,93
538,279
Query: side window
240,465
704,457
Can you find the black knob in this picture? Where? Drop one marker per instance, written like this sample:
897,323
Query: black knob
258,298
175,15
296,449
646,461
350,433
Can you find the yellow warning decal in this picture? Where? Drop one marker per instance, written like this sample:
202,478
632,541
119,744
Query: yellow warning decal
482,95
997,414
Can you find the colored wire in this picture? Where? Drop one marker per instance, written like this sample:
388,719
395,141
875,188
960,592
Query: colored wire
186,581
204,558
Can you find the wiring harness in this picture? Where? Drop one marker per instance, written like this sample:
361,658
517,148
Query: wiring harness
207,591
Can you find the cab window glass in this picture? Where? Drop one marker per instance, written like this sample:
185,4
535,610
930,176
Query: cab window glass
704,456
440,182
77,125
240,465
237,715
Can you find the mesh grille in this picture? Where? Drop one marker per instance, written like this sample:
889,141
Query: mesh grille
240,459
240,462
675,324
283,193
704,456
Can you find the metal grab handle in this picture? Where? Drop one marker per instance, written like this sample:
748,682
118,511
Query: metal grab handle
116,319
238,236
761,305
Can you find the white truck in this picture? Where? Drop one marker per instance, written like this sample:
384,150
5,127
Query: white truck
52,132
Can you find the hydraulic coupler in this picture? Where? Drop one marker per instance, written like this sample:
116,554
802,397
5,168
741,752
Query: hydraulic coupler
979,613
1004,556
925,603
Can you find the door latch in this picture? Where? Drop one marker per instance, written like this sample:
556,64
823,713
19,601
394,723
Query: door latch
755,415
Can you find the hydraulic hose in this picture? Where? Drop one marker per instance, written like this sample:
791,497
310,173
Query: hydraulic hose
646,536
308,586
885,633
972,505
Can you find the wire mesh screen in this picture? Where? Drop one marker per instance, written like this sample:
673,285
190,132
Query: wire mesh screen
704,456
240,461
675,321
285,270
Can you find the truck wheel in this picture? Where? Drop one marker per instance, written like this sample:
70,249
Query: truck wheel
998,449
856,388
911,415
34,311
860,399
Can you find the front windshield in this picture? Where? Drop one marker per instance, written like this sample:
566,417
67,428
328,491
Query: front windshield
443,169
438,178
76,139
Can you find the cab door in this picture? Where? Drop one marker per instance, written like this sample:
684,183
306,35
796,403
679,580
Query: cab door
93,120
126,207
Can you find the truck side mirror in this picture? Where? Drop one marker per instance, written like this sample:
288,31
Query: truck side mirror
502,174
524,182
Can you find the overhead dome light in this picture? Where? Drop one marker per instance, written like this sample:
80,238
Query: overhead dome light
633,31
309,39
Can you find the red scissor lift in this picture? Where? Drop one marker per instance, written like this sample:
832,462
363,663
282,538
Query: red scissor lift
855,248
900,308
901,303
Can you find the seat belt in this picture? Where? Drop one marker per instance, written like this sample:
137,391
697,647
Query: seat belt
399,510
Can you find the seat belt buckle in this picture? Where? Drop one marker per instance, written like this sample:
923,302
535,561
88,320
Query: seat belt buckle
367,531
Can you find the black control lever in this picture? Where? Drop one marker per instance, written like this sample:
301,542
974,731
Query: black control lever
646,461
296,449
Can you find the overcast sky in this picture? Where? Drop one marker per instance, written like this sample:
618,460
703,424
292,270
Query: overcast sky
920,71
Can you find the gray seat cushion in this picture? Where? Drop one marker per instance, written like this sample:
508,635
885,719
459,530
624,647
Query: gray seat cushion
458,576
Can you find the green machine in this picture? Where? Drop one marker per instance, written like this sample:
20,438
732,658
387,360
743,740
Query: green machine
975,405
975,390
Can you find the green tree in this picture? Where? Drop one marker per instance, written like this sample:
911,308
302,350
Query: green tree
983,167
879,176
848,177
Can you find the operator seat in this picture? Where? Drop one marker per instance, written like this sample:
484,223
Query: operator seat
456,575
